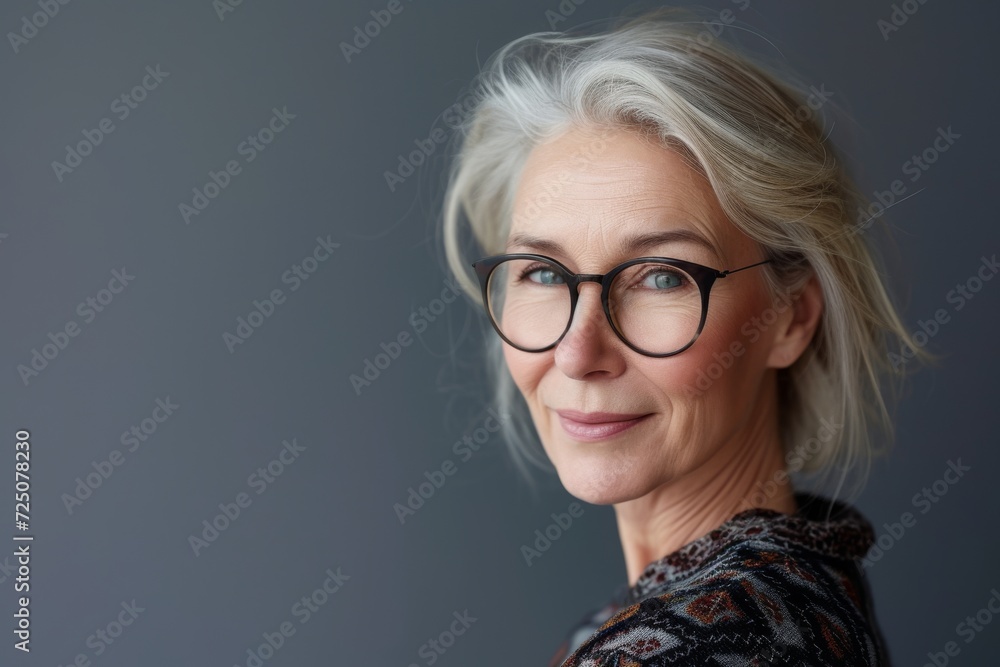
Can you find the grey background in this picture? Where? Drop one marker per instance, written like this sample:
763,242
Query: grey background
323,175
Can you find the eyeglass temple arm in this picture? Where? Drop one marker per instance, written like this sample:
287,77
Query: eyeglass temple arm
723,274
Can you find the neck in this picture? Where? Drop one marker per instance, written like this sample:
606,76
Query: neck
690,507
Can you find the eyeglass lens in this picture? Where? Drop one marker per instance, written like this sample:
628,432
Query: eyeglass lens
655,306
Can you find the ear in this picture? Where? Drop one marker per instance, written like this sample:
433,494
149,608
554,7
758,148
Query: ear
797,325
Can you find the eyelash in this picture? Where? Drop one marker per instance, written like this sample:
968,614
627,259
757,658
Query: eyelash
531,269
685,281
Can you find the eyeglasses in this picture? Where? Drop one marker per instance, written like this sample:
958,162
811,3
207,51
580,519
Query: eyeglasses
656,305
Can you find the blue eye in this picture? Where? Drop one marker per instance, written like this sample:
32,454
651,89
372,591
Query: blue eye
548,276
664,279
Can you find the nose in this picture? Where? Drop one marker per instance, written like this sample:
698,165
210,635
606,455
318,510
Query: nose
589,346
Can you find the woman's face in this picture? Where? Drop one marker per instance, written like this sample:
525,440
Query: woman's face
589,194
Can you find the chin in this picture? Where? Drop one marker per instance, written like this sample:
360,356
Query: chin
600,483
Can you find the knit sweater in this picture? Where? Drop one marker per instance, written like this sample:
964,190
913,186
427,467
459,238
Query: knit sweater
764,588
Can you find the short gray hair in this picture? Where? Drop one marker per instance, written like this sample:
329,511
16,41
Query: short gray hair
752,133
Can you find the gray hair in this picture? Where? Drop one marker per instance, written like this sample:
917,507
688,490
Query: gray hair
752,132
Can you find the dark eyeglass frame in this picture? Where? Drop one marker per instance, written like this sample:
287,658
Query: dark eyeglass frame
704,276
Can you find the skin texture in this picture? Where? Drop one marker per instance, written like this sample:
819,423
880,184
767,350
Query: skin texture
701,455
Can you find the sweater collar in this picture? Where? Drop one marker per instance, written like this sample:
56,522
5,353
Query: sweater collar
825,528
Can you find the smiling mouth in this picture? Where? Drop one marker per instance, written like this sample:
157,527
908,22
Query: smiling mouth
597,426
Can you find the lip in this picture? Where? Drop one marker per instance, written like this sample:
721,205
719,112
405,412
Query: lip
593,426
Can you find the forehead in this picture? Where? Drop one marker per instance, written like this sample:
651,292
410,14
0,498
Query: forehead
600,197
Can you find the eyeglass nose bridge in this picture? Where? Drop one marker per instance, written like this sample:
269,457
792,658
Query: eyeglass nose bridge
577,280
590,278
581,278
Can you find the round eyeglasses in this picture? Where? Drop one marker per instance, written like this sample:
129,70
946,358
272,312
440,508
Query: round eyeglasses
656,305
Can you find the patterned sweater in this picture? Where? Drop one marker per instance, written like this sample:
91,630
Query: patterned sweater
764,588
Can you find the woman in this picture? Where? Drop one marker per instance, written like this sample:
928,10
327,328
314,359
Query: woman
686,305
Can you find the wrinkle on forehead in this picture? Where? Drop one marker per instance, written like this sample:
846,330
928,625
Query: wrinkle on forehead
589,201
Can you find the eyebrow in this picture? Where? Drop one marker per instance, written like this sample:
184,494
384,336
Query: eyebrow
632,244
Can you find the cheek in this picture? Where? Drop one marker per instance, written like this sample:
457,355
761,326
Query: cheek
722,359
526,368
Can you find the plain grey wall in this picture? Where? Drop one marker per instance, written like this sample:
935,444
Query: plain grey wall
223,74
